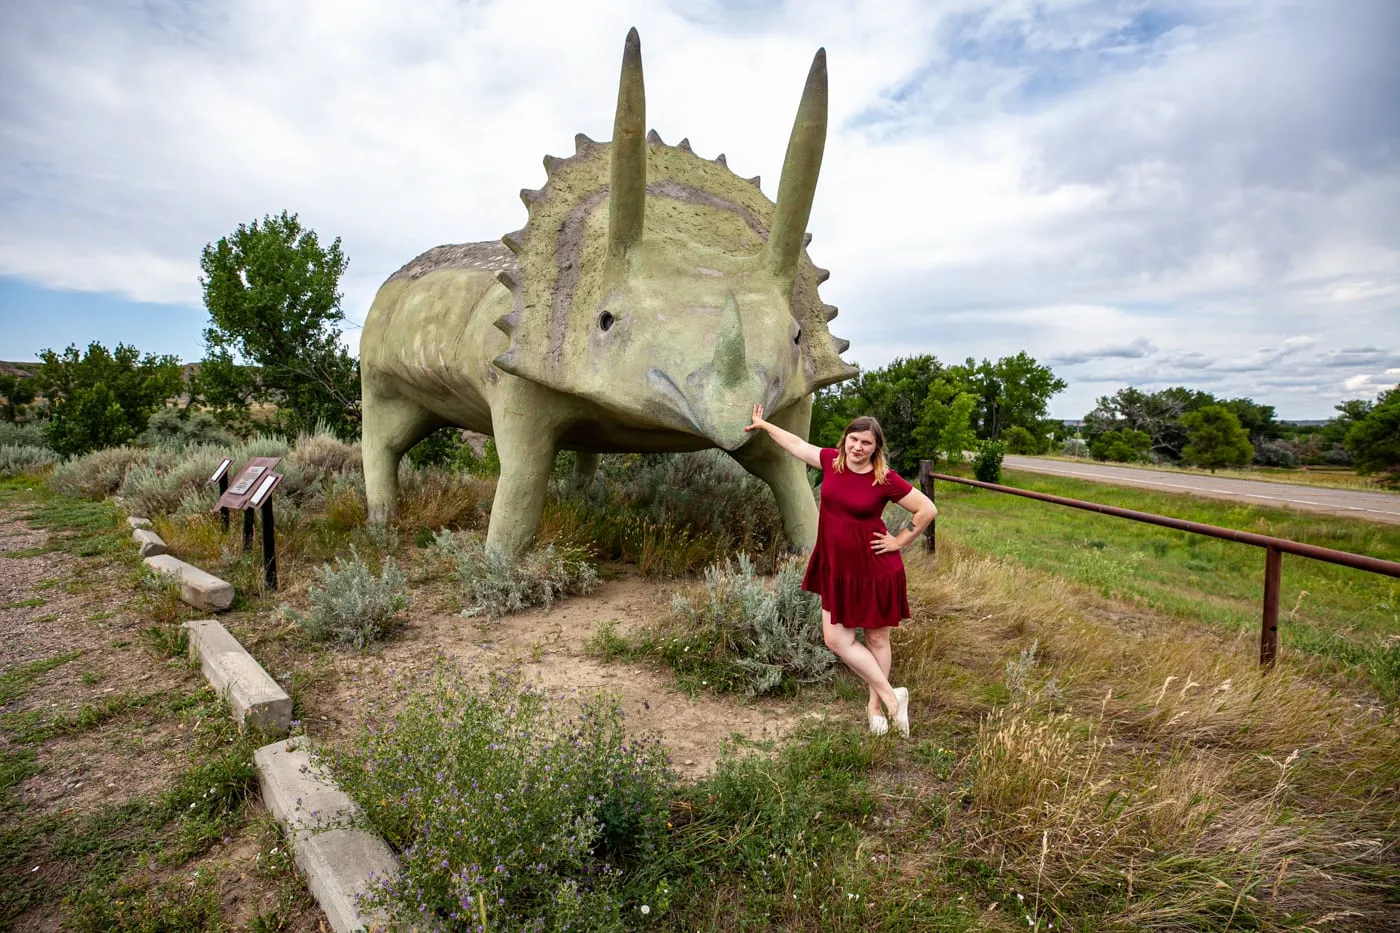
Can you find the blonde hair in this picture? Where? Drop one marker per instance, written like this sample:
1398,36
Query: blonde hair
877,459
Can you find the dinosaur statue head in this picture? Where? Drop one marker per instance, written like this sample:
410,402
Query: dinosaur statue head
665,288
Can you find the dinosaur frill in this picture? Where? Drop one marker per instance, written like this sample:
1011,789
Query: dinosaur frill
636,199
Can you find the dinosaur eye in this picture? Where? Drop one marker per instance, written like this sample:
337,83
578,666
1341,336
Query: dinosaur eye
605,320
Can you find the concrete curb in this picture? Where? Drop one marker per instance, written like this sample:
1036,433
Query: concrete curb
149,542
338,858
253,696
199,589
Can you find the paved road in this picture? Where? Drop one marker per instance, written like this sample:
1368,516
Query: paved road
1375,506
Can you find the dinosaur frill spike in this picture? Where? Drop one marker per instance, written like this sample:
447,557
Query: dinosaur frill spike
806,240
507,323
822,274
721,160
684,145
841,345
506,278
551,163
514,241
529,196
829,312
753,181
627,198
582,143
655,137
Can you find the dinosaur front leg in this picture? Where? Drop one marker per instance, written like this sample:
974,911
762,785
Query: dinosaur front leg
526,438
391,426
786,476
585,468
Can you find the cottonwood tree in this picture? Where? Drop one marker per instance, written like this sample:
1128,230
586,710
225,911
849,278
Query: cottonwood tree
17,392
103,398
273,297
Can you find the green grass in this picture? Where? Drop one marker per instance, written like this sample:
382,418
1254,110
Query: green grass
1345,615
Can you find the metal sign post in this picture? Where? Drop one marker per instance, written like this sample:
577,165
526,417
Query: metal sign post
263,499
220,478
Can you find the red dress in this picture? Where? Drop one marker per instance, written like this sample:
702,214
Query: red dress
861,589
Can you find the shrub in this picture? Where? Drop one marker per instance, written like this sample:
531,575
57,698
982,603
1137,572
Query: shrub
174,427
1075,447
326,455
987,466
499,805
160,486
496,584
745,635
670,513
98,474
1020,441
25,458
28,434
354,605
1121,446
1276,454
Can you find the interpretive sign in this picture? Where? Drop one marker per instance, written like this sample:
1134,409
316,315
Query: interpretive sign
246,483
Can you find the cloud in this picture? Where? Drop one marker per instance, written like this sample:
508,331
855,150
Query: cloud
1138,348
1170,183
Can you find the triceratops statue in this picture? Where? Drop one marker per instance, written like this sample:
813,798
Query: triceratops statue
650,302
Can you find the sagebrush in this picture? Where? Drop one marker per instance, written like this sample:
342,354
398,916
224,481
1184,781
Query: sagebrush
353,604
496,584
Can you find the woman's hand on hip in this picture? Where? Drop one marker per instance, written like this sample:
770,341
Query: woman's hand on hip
885,543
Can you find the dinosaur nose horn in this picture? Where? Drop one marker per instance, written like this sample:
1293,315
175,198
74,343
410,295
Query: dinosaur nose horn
731,363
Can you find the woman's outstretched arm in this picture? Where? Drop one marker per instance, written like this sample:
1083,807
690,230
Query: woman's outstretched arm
809,454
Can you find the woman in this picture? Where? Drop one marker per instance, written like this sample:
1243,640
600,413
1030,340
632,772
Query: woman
855,566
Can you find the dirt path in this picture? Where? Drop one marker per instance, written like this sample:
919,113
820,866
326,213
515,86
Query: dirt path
549,649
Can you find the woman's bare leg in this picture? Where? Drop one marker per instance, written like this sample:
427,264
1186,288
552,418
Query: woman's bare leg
859,658
877,642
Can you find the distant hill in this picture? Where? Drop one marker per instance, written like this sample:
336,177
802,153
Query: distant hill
17,369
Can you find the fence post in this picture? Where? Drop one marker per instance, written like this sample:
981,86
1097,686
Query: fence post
223,488
1268,633
247,529
926,487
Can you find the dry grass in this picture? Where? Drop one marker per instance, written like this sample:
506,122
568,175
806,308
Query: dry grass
1146,775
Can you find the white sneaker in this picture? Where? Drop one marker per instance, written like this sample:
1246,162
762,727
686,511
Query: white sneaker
901,716
879,725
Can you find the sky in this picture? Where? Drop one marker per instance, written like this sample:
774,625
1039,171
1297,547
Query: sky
1202,193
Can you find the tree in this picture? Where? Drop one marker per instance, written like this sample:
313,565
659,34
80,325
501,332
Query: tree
1216,438
1121,446
1156,414
1374,440
1020,441
274,308
957,435
1257,419
18,392
1015,390
893,395
102,399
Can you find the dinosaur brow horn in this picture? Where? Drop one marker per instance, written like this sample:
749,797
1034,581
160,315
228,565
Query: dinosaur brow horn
801,166
627,200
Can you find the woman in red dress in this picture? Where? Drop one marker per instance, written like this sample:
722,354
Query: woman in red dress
855,565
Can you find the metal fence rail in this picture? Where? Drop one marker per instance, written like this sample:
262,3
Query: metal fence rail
1274,548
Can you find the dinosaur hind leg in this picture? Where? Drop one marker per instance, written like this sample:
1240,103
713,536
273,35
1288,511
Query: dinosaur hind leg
391,427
